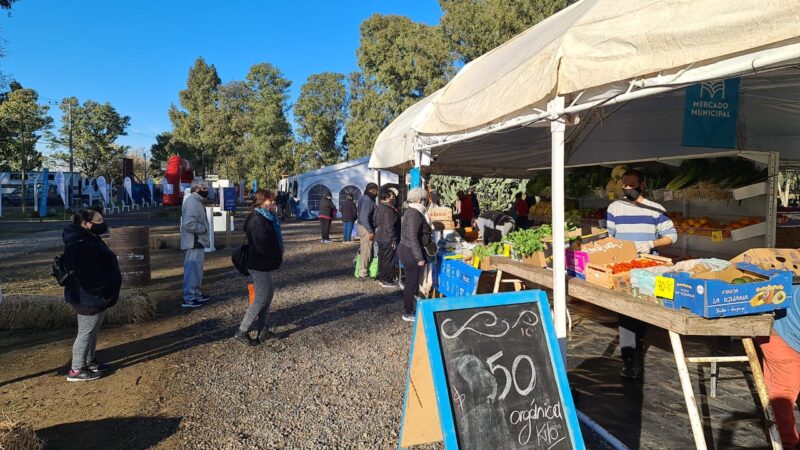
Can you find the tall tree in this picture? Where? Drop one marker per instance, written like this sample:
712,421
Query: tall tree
166,145
401,61
95,129
369,113
319,114
473,27
233,126
273,149
193,122
23,120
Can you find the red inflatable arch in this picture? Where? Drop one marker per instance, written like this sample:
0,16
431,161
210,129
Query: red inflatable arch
178,171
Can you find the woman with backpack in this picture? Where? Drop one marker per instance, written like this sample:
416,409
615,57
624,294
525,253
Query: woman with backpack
265,255
327,212
92,287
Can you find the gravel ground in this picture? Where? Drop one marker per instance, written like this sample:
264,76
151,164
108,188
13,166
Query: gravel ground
338,384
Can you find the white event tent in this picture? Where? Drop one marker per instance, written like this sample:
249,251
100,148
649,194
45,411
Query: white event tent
603,81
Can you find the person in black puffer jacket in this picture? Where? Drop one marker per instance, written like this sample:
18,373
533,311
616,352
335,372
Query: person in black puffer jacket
92,288
327,212
265,255
414,235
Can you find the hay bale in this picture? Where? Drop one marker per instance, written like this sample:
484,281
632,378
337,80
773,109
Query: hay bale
38,312
18,436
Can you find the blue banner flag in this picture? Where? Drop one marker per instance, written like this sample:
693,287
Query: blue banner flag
710,114
45,188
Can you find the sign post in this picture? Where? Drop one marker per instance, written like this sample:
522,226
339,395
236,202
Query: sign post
486,372
228,201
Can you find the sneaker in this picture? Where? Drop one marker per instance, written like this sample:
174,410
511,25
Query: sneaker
388,284
245,339
82,375
96,367
193,304
328,241
203,299
408,317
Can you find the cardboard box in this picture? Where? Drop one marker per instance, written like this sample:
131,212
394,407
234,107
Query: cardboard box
596,252
440,214
772,259
602,275
713,294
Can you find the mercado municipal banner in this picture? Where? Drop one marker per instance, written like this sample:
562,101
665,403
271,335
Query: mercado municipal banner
710,113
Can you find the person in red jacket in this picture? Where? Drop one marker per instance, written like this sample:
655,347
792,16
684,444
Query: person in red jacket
521,208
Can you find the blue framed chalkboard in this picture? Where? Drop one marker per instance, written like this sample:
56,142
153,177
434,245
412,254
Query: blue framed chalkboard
498,376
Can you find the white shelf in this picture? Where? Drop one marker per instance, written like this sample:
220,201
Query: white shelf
759,229
754,190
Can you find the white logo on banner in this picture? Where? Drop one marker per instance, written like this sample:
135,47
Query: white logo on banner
150,187
712,88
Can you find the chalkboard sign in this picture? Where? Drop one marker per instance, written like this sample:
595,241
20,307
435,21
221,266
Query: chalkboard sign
497,372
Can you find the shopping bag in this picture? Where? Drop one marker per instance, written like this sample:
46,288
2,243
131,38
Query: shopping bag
373,267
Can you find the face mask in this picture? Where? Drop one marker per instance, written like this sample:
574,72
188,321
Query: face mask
98,228
632,194
272,208
203,194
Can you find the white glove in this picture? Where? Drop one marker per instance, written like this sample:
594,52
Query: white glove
644,247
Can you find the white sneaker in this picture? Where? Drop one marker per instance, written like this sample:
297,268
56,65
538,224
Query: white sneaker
408,317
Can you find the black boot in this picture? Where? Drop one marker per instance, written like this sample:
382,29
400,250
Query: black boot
245,339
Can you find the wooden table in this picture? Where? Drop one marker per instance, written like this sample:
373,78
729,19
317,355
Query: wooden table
678,323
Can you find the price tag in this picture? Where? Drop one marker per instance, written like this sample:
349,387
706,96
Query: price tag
612,195
476,261
716,236
668,196
665,287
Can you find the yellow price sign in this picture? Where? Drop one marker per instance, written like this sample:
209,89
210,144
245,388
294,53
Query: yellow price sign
612,196
716,236
476,261
665,287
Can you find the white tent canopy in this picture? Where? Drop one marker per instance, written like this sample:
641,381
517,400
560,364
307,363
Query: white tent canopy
597,43
595,53
649,128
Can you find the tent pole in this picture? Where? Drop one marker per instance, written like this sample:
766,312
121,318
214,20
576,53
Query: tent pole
557,128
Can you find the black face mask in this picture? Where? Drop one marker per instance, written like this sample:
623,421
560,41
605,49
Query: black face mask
203,194
632,194
98,228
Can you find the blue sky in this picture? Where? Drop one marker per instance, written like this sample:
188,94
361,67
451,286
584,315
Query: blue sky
136,55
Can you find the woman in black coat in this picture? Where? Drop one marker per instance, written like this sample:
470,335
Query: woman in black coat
415,234
265,243
92,288
327,212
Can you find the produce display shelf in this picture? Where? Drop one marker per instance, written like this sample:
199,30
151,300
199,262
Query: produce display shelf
741,193
748,232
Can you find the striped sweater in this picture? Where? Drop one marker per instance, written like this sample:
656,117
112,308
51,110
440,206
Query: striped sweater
639,222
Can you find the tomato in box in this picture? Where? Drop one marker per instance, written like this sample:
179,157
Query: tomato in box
604,275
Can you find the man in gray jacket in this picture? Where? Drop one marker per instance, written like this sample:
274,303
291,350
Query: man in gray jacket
366,228
194,239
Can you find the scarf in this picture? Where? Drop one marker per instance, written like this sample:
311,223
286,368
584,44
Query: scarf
422,210
275,223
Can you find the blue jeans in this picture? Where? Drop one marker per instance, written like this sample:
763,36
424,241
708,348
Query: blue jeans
348,231
193,274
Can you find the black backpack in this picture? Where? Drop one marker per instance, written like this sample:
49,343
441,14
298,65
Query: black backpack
59,269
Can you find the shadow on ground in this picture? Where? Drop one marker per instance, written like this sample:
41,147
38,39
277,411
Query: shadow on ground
129,433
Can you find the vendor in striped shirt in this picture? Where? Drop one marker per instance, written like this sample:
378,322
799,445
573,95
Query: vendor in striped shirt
634,218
